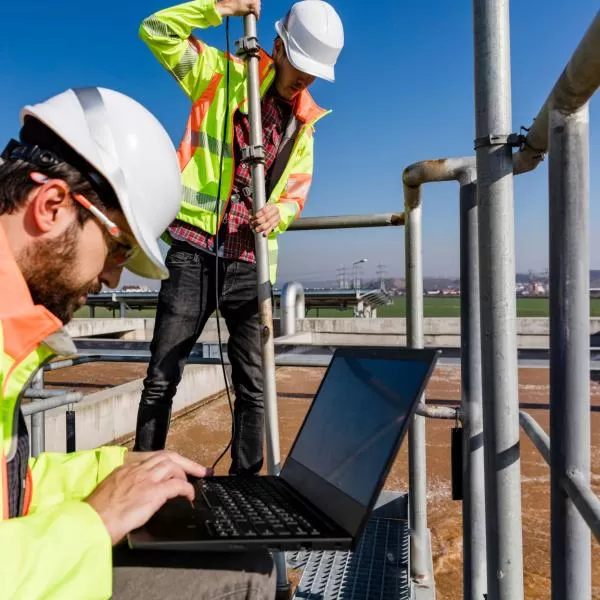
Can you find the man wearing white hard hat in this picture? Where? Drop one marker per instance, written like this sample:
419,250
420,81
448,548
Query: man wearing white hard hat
212,258
79,201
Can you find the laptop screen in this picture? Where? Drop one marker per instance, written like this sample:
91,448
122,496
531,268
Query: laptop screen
362,407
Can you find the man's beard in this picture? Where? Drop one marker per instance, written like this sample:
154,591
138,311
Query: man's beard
48,267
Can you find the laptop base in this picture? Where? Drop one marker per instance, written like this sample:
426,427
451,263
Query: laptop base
238,514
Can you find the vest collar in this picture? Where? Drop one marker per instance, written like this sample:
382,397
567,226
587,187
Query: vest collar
25,325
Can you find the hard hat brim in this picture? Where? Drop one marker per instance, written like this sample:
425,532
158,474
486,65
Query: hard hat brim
301,61
148,262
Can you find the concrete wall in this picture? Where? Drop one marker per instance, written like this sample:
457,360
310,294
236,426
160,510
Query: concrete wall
95,327
111,414
443,332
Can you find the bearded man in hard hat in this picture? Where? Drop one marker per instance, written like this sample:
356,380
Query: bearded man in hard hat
81,198
217,197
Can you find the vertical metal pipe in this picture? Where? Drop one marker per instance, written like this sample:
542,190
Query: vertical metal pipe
416,435
264,284
473,515
38,420
569,348
122,310
498,300
292,307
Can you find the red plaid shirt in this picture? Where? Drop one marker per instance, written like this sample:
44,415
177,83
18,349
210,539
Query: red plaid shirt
236,238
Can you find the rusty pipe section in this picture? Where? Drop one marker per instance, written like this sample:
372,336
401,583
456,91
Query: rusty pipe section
575,86
461,169
436,411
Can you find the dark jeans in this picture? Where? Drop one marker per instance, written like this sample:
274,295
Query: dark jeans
186,301
160,575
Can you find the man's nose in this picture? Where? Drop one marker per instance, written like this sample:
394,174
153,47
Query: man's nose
306,80
111,274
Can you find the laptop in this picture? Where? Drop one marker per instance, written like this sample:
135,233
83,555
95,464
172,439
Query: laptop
331,479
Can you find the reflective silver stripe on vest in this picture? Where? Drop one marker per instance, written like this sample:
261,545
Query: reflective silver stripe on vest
201,139
156,27
200,199
186,62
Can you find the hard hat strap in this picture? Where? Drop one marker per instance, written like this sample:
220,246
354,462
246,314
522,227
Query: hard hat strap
97,119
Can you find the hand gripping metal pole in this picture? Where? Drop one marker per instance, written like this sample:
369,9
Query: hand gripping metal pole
254,155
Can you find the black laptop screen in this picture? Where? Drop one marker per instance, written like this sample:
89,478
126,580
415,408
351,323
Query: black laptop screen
354,423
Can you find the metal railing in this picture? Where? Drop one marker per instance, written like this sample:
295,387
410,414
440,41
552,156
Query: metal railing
489,365
42,400
573,483
463,171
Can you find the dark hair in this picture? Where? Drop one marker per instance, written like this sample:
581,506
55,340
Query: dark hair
16,183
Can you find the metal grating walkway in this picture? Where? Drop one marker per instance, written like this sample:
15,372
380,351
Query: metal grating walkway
377,570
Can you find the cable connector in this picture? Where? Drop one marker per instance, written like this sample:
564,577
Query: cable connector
516,140
253,154
247,46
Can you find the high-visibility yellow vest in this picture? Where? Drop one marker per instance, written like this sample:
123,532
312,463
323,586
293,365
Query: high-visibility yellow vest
201,71
57,546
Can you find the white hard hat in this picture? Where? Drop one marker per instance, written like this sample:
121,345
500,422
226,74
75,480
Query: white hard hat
128,146
313,37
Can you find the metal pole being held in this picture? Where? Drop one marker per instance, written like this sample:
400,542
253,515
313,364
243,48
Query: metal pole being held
254,155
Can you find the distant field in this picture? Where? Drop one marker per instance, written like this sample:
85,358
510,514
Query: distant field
450,307
433,307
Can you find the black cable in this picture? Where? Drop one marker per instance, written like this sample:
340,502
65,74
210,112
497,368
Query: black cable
218,212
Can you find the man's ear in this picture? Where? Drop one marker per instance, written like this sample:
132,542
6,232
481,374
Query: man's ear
277,48
49,206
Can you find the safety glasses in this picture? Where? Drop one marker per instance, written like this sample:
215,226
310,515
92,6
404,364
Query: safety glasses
120,250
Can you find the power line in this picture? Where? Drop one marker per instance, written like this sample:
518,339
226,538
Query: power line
381,273
341,277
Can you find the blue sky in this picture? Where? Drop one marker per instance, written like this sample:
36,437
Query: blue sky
404,92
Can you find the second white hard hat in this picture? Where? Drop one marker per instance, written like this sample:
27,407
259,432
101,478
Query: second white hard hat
313,36
127,146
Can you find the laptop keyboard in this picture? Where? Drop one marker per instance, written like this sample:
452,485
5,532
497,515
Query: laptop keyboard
253,507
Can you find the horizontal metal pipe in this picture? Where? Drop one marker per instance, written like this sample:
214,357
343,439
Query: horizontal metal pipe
45,404
575,86
82,360
348,222
536,434
284,360
584,499
439,412
439,169
43,393
461,169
